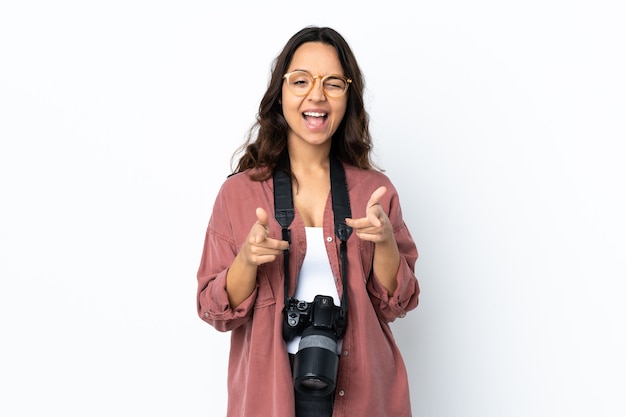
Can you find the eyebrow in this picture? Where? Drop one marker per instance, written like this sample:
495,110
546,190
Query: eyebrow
310,73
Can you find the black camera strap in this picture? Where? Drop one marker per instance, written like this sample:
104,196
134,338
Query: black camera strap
284,213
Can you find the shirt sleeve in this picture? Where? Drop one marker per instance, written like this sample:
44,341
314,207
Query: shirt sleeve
220,249
405,297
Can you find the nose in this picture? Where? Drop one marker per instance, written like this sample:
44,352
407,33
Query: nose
317,92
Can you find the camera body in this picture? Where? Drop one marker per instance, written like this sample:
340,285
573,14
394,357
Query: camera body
320,323
321,313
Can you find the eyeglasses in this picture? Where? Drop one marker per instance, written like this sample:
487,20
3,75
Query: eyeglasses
300,83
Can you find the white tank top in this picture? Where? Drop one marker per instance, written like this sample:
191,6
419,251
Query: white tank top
316,277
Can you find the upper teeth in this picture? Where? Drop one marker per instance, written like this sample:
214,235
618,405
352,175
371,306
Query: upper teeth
314,114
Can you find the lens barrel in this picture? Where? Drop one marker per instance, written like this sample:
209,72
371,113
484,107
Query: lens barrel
316,363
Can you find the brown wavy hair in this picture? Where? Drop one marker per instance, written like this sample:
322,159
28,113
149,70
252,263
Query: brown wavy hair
266,144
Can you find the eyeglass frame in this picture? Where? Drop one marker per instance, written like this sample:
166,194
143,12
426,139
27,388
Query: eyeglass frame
321,78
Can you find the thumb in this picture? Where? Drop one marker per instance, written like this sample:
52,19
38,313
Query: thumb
259,235
376,196
262,217
372,215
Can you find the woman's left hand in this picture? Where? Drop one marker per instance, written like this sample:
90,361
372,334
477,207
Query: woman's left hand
375,226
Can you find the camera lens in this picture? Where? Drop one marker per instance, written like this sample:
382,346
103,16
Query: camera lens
314,384
316,362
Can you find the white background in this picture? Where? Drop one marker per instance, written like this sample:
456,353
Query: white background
501,123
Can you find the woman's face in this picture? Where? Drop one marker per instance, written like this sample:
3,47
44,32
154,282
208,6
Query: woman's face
313,118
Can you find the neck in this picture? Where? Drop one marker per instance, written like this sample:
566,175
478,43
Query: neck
309,159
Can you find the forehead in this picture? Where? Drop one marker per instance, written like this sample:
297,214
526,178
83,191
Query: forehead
317,58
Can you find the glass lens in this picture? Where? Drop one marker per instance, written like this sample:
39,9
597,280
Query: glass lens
314,384
334,86
299,82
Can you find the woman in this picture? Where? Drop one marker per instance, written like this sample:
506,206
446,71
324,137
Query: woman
311,115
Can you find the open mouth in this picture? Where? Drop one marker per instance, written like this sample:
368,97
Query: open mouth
315,119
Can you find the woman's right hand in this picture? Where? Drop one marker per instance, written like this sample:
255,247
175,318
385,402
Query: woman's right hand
257,249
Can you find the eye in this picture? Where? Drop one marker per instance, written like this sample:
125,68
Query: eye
300,79
335,84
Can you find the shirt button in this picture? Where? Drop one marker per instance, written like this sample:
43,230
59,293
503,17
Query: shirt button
341,393
329,239
206,314
345,353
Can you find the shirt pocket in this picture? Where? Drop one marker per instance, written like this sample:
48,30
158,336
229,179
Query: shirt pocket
265,295
366,251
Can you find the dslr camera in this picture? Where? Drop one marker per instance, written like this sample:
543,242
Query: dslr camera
320,323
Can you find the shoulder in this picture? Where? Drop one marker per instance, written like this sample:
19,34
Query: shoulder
237,200
241,190
241,182
368,179
361,185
